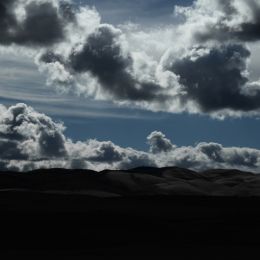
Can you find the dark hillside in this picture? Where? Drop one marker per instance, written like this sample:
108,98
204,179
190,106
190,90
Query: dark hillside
144,211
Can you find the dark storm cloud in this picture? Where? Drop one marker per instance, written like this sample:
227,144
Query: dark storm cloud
215,80
43,23
103,56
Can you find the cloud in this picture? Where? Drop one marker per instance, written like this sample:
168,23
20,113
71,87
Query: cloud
103,55
39,23
108,65
197,66
241,21
84,56
211,156
200,78
216,78
221,20
243,157
159,143
31,140
26,134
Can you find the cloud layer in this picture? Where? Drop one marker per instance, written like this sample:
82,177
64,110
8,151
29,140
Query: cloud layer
31,140
200,66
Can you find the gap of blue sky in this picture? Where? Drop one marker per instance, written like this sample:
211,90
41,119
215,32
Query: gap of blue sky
145,12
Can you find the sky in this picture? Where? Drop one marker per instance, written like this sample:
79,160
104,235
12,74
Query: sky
121,84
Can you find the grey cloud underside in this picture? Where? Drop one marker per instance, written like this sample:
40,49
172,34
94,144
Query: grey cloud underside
244,31
159,143
43,24
22,130
31,140
216,79
102,56
82,55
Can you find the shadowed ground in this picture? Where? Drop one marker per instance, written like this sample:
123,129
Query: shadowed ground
52,212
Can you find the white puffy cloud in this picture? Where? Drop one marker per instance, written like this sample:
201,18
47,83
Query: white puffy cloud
211,156
26,134
31,140
222,20
153,69
159,143
173,69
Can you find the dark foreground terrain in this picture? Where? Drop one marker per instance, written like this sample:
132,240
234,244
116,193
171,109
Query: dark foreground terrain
163,213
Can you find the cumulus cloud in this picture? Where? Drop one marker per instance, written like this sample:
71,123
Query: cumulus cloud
159,143
26,134
103,55
198,66
223,20
104,62
31,140
201,78
211,156
216,78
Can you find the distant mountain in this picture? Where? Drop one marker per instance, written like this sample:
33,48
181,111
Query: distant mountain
142,181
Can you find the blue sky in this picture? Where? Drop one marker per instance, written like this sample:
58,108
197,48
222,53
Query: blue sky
84,118
145,12
115,84
183,129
